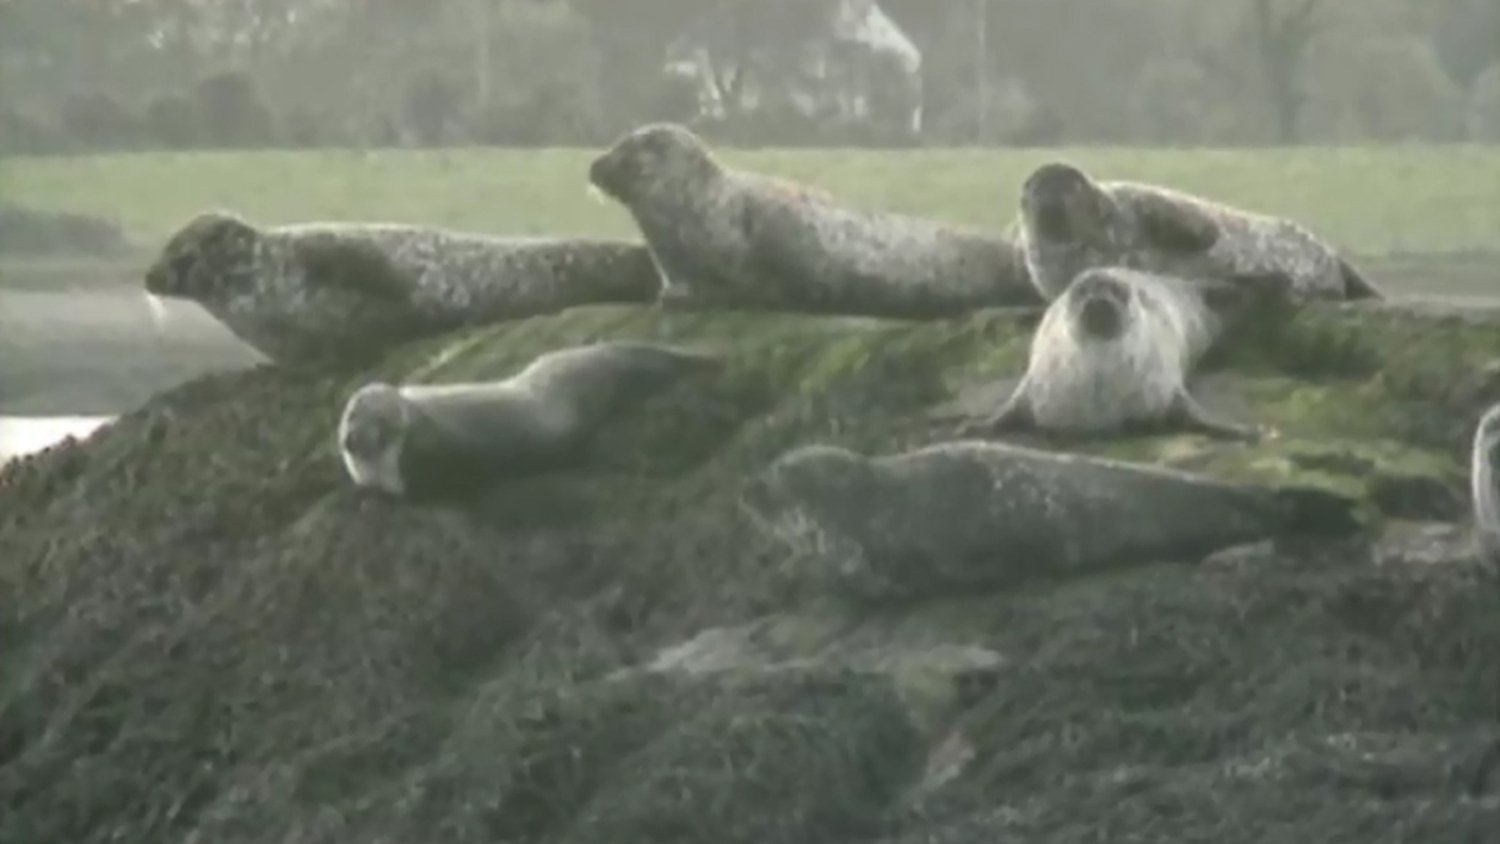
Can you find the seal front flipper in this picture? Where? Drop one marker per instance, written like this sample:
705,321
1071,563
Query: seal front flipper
1014,416
1356,286
1186,413
1175,227
356,267
769,248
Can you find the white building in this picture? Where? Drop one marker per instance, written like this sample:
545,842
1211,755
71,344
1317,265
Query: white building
840,60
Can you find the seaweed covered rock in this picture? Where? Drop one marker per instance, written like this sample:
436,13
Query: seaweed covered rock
208,634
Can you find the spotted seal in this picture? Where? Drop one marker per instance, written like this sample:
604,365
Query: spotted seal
1071,222
974,514
431,442
314,290
730,238
1485,482
1114,353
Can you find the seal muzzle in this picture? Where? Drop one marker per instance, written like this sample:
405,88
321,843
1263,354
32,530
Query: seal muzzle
611,173
1101,317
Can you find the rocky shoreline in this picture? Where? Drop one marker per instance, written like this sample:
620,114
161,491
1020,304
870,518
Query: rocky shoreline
214,637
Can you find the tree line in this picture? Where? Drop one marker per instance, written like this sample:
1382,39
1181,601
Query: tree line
90,75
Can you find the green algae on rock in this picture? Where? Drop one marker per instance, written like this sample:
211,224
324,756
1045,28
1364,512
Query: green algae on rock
207,634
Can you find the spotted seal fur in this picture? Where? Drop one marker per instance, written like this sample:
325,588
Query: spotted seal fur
730,238
1114,354
314,290
972,514
1070,222
433,442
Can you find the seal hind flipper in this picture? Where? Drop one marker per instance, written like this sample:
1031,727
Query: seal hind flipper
355,266
1175,227
1356,286
1187,413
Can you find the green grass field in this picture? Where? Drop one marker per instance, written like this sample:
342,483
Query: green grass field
1373,201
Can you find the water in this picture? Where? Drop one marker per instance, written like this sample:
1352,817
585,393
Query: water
22,435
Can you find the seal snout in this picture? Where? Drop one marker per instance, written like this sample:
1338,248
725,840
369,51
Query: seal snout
1100,306
1100,317
156,281
363,440
602,173
372,422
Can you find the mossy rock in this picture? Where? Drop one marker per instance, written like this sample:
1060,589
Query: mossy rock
1373,401
207,634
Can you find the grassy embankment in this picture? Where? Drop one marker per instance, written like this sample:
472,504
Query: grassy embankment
1373,201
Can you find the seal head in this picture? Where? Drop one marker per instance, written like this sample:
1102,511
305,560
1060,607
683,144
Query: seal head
654,154
372,432
213,253
1099,306
1064,204
813,472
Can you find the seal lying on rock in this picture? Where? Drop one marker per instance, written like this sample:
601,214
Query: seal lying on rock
1069,223
735,239
302,292
972,514
1485,480
445,441
1113,354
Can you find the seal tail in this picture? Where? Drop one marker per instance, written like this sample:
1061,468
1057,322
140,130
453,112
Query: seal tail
1316,512
1356,286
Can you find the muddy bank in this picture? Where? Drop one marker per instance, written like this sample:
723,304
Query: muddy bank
210,636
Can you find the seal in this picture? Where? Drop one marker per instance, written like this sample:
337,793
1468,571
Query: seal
1114,352
1070,223
730,238
972,514
443,442
311,291
1485,480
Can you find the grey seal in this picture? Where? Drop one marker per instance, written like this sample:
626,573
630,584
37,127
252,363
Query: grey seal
1485,482
730,238
438,442
974,514
1071,222
350,290
1114,353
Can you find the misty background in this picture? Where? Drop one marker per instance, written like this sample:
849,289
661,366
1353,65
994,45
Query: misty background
104,75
